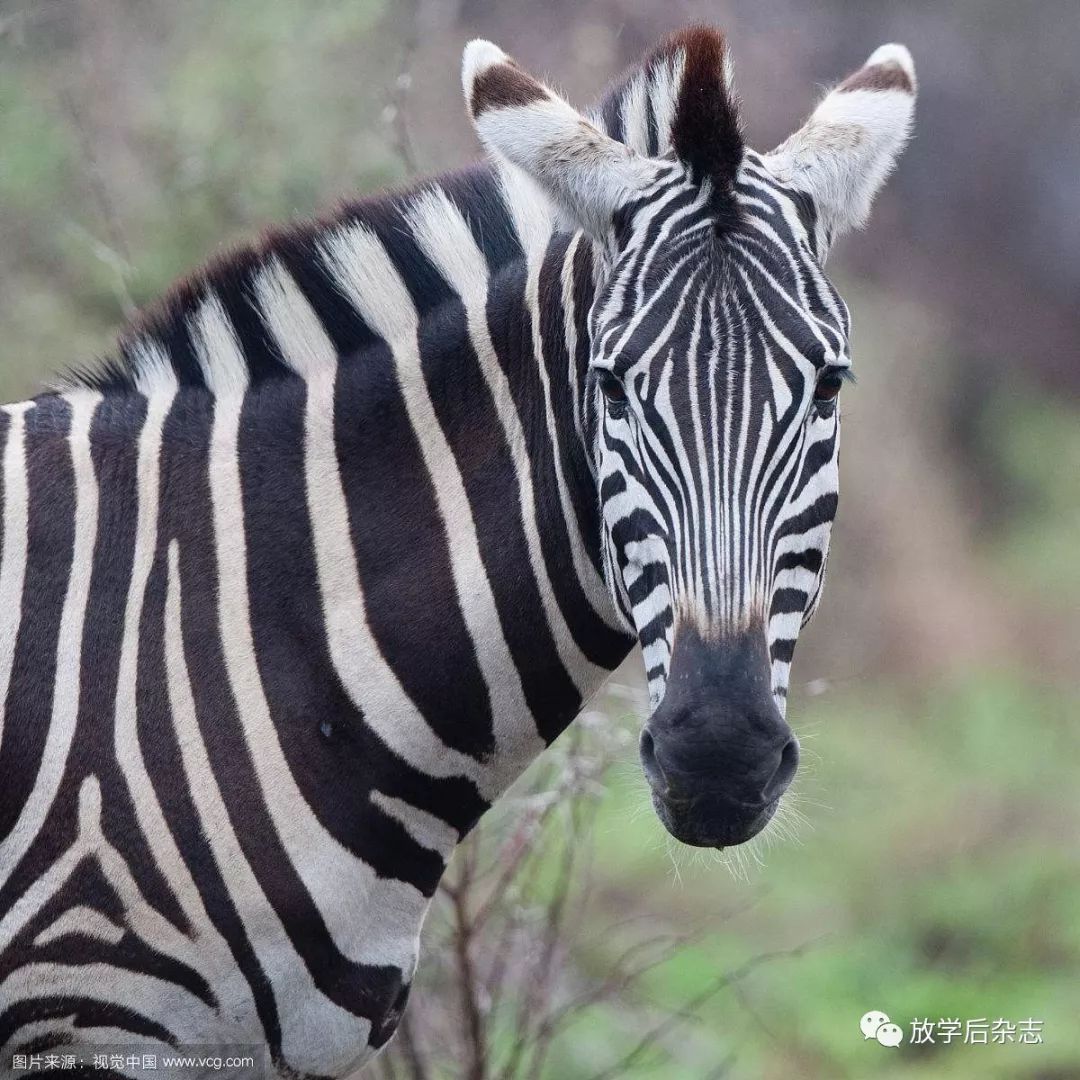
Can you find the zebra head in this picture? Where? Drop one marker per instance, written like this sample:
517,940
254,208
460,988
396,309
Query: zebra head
718,349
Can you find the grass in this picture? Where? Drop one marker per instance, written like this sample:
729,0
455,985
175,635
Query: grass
938,878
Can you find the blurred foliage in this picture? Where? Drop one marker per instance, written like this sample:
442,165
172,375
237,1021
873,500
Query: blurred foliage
1033,444
123,168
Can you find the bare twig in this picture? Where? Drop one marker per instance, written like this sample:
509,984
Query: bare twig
395,112
410,1050
114,251
476,1068
687,1012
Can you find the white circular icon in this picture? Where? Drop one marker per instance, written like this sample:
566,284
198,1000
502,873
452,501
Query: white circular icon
889,1034
870,1022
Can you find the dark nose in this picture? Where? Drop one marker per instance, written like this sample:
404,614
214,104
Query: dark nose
716,752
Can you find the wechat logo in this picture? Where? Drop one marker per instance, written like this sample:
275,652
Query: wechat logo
876,1025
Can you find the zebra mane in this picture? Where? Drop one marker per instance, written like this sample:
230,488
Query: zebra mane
162,331
676,100
680,100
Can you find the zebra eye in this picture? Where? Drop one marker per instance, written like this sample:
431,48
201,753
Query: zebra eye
612,388
828,386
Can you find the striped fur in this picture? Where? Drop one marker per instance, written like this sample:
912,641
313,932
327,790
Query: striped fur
296,586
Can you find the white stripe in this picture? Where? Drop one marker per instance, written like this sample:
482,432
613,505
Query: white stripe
534,225
300,335
311,1021
41,890
798,306
529,208
123,987
446,239
657,601
667,78
726,472
83,921
751,497
781,392
702,516
592,583
198,1021
339,883
566,272
426,829
785,627
795,577
127,748
781,673
153,370
635,125
219,354
13,561
367,276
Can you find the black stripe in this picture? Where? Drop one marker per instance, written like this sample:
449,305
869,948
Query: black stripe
783,649
809,560
610,645
785,601
822,510
189,520
513,347
471,424
234,289
477,193
114,449
419,275
82,1012
326,741
349,334
87,886
51,534
360,989
611,113
653,129
174,336
403,557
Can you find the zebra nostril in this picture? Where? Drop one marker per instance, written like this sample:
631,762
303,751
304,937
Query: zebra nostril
784,772
653,773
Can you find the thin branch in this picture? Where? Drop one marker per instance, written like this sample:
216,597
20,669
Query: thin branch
530,1009
115,253
470,1002
395,112
687,1012
410,1048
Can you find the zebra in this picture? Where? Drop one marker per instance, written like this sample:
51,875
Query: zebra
356,518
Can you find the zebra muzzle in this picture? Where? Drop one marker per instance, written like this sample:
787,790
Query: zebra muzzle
716,752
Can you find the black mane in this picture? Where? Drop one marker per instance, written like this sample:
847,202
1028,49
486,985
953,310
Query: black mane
703,128
474,190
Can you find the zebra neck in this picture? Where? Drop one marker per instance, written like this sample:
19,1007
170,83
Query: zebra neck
447,460
398,396
503,361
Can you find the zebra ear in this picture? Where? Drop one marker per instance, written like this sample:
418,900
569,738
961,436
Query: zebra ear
587,173
841,156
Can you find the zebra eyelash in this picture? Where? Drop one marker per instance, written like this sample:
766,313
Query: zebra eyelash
831,371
